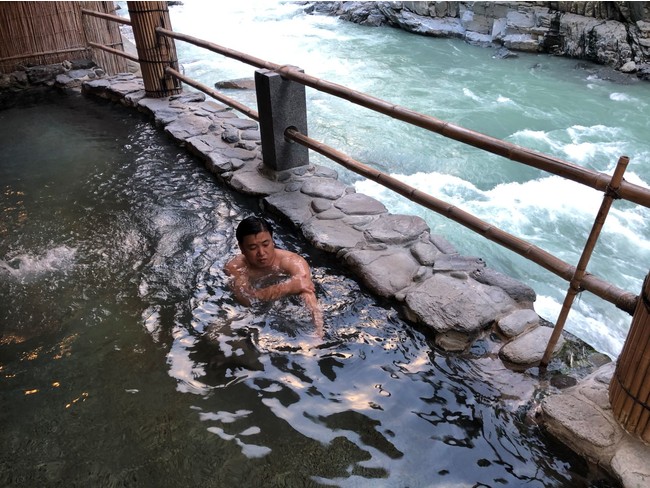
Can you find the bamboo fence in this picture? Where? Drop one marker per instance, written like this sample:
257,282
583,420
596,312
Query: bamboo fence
629,390
41,33
155,53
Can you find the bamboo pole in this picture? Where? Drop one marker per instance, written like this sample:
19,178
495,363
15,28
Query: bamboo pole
622,299
102,15
155,52
629,389
214,94
576,280
593,179
117,52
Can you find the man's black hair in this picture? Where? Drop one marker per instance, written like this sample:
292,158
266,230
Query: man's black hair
251,226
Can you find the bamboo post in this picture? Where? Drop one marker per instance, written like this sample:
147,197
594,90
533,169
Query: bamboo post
575,283
155,52
629,389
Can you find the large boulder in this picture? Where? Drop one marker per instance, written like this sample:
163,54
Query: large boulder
445,302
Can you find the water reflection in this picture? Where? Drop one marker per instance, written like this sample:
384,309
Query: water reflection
163,380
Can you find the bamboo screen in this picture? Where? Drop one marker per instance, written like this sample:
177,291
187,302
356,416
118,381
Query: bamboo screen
629,390
39,33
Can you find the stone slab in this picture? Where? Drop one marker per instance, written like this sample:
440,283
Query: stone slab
331,235
529,348
465,305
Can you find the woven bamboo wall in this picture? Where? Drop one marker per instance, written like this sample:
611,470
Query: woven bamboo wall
38,33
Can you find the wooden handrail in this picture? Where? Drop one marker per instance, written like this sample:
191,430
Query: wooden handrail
214,94
117,52
624,300
102,15
565,169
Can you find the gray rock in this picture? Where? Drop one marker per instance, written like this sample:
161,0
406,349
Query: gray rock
325,172
187,97
452,341
518,322
238,153
216,108
455,262
437,27
250,135
442,244
205,144
425,252
529,348
631,463
187,126
385,272
241,124
581,425
629,67
164,116
238,84
332,214
396,229
359,204
152,106
324,188
249,180
230,135
518,291
293,205
133,98
321,204
331,235
446,303
126,87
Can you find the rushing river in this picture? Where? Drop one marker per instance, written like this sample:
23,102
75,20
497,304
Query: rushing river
552,105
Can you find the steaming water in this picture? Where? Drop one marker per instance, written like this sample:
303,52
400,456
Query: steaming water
555,106
125,362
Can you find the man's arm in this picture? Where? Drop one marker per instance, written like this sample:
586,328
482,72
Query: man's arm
299,283
240,281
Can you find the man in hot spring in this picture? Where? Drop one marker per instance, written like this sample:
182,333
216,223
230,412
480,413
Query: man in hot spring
263,272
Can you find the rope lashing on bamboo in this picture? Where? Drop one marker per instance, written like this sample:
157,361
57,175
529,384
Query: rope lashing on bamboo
630,394
613,193
150,61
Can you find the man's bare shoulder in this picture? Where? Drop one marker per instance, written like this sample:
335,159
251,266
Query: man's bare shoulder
234,264
290,261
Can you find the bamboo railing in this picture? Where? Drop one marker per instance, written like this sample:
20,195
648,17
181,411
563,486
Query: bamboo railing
565,169
622,299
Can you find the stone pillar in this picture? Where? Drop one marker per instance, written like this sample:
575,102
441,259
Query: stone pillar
155,52
281,104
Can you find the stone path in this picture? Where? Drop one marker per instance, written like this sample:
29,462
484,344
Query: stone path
395,256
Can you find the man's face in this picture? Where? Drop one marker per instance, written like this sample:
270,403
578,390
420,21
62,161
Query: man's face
258,249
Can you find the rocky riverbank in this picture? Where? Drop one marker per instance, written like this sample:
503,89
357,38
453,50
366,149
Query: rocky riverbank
614,35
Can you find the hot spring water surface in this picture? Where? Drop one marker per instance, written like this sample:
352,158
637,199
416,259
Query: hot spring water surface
112,244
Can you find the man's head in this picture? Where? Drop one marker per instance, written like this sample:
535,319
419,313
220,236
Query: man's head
251,226
255,238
